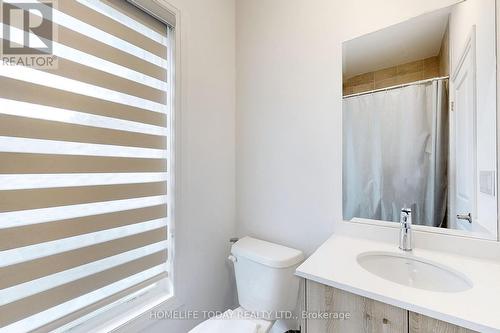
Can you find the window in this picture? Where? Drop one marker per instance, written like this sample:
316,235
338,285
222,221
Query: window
85,153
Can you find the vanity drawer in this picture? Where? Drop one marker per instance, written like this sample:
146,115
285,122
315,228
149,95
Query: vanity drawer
325,304
366,315
423,324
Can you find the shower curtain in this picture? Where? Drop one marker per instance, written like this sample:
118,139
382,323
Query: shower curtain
395,154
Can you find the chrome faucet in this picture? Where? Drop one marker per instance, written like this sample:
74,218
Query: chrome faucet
405,231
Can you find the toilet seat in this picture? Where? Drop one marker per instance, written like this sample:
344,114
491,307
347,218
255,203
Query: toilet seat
233,321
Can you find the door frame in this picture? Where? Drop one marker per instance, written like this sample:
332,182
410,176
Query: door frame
469,49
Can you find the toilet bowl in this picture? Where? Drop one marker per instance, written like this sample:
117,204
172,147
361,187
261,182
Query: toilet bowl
267,288
235,321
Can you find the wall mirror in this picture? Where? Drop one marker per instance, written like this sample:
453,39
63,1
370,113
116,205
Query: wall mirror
419,122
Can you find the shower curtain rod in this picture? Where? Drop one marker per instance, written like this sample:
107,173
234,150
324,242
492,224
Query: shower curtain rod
397,86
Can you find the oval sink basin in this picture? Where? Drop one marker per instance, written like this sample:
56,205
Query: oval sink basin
414,272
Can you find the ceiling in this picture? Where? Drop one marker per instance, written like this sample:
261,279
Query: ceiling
415,39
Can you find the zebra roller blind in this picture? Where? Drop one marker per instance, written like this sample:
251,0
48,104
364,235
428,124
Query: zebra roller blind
84,159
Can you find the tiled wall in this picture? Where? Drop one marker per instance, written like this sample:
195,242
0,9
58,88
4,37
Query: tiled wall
404,73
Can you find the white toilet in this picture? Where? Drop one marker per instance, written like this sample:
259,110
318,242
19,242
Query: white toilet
267,288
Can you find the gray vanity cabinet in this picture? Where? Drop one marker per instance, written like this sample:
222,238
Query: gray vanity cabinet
366,315
422,324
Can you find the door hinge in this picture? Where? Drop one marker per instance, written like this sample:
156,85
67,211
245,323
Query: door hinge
452,106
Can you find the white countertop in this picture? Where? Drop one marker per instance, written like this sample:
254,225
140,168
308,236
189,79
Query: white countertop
334,264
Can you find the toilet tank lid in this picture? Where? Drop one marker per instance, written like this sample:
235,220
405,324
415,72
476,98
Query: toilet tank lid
266,253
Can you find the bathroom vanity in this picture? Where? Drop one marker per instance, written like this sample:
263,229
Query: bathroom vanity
388,299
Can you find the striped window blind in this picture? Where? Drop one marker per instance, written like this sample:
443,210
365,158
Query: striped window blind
84,166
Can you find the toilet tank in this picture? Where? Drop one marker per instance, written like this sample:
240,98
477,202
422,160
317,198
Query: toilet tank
265,276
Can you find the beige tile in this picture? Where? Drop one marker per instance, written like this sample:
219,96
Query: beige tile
431,67
411,77
386,73
431,72
444,71
362,88
361,79
386,83
387,77
347,90
432,61
411,67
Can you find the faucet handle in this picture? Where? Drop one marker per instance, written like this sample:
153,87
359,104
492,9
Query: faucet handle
405,232
406,218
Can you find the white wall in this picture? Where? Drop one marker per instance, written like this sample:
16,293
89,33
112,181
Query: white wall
288,124
289,86
206,216
480,13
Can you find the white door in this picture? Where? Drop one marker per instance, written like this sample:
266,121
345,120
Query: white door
463,156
